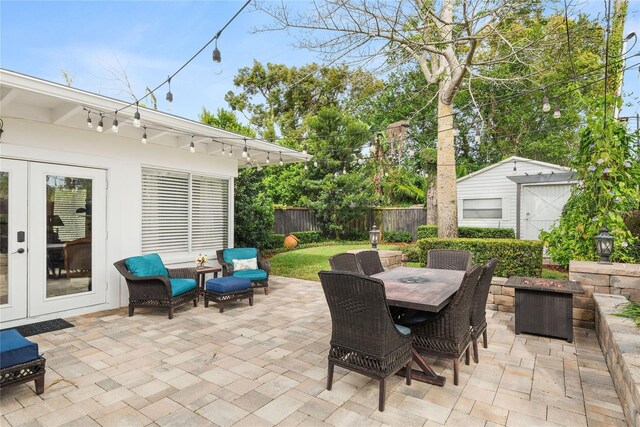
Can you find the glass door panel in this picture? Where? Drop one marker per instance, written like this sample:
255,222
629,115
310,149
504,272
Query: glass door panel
13,239
67,213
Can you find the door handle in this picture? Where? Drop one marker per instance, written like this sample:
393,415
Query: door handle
19,251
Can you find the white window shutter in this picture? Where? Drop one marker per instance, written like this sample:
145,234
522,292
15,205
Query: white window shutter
209,213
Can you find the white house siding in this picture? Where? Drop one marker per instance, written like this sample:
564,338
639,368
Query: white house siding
493,183
123,159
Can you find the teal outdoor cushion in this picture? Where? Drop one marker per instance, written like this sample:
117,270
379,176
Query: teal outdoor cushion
239,253
146,265
251,274
180,286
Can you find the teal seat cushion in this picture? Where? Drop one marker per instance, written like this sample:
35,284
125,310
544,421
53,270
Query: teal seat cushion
239,253
403,329
180,286
146,265
251,274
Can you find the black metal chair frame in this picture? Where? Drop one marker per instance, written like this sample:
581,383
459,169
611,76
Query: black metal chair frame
155,291
479,307
345,262
369,262
221,298
32,370
363,338
448,334
446,259
227,270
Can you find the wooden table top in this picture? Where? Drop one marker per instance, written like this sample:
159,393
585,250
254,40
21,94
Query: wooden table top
208,269
426,289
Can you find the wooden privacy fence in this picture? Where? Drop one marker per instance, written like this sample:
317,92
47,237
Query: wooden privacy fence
394,219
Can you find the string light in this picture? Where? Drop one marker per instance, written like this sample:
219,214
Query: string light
89,124
306,166
268,160
136,117
169,94
315,163
281,162
100,124
223,153
304,149
114,127
192,146
216,57
546,107
556,111
344,170
244,150
248,156
144,135
231,151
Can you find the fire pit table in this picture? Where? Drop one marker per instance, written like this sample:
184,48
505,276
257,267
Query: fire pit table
544,306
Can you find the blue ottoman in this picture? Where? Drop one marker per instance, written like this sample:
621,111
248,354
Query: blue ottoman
20,361
228,288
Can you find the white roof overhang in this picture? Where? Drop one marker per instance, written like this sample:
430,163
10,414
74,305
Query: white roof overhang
30,98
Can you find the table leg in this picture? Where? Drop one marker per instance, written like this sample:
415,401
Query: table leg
425,374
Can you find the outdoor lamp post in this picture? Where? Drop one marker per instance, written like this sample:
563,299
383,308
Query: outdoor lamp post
604,245
374,236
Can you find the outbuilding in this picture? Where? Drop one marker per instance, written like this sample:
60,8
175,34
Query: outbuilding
523,194
86,180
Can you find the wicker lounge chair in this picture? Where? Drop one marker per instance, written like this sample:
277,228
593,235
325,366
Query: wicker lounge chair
447,333
479,307
259,276
369,262
449,259
168,291
344,262
364,338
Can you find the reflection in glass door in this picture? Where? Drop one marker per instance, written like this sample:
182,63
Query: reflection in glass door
67,221
13,240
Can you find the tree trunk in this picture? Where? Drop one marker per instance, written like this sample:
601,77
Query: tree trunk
432,205
446,186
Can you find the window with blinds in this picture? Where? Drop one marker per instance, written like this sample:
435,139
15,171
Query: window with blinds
482,209
182,212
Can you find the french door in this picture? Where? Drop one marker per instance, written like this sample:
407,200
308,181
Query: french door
55,240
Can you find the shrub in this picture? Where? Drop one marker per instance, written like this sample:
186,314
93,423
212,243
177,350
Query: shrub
412,252
397,236
308,236
427,231
275,241
517,257
253,211
355,235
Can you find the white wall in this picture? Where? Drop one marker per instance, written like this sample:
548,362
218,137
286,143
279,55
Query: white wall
123,159
493,183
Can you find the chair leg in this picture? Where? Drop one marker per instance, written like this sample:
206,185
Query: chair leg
221,307
475,350
40,385
131,310
206,302
170,312
467,357
330,376
266,290
251,301
407,371
456,371
382,396
484,338
195,302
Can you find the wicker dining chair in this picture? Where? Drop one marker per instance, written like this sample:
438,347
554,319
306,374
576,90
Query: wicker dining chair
446,259
369,262
479,306
344,262
447,333
364,338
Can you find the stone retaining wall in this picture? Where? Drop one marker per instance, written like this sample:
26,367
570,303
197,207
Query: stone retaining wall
614,279
620,343
389,259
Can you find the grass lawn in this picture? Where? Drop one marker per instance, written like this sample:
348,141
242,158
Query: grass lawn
305,263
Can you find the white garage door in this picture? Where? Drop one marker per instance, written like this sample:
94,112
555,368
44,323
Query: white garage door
541,207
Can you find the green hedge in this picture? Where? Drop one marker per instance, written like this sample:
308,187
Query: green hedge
276,241
427,231
308,236
397,236
517,257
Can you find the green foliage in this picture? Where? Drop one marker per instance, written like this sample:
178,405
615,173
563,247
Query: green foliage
276,240
426,231
412,253
308,236
227,120
632,311
254,217
608,178
397,236
516,257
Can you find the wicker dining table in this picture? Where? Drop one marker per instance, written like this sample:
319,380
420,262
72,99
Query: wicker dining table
425,289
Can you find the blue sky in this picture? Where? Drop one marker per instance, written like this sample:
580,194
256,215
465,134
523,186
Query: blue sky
152,39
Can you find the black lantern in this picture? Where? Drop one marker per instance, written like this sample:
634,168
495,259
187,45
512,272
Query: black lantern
604,245
374,236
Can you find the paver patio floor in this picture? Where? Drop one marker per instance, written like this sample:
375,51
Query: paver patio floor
266,365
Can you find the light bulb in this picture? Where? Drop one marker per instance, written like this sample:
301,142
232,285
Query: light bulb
100,125
248,156
231,151
304,149
136,118
192,146
315,163
223,153
114,127
546,107
344,170
268,160
244,152
306,166
556,112
144,136
169,96
89,124
281,162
